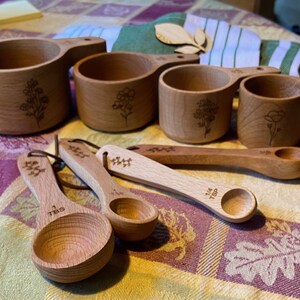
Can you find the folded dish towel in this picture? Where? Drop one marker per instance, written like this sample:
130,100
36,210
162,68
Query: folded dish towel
232,45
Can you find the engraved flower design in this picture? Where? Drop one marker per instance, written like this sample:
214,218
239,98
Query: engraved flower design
124,102
273,117
206,113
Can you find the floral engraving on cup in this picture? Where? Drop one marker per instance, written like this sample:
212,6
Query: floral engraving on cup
206,113
33,167
36,102
273,117
124,102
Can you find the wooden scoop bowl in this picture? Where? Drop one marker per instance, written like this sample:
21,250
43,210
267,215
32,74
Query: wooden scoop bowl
275,162
132,217
71,242
230,202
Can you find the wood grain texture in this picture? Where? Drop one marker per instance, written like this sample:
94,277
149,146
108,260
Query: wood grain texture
275,162
34,82
118,92
71,242
231,203
269,111
132,217
195,101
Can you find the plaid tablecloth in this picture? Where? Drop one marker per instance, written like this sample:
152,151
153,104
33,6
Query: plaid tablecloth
192,254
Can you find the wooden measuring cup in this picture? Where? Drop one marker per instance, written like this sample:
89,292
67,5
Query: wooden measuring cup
230,202
132,217
34,83
71,242
195,101
117,91
269,111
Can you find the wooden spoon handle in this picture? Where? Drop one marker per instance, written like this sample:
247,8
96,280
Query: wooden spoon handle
230,202
132,217
39,177
275,162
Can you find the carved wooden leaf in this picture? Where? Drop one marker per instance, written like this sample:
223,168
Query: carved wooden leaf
187,50
208,43
200,37
173,34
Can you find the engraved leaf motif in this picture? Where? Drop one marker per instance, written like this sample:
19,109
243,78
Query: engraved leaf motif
173,34
250,260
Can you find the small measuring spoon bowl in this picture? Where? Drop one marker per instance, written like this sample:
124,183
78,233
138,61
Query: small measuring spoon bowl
230,202
71,242
275,162
132,217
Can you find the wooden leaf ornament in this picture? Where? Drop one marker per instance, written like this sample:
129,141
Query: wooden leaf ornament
173,34
187,49
200,38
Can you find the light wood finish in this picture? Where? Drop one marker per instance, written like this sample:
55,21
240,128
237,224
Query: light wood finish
34,82
269,111
117,92
275,162
71,242
132,217
230,202
195,101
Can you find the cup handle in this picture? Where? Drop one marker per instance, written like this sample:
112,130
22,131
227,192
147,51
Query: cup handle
77,48
168,60
240,73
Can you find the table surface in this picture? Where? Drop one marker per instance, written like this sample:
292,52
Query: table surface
192,254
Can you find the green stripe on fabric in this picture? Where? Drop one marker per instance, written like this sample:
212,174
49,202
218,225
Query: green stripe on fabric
267,49
214,39
236,48
289,58
141,38
222,57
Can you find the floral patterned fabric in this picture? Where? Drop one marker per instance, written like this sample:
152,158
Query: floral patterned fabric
192,254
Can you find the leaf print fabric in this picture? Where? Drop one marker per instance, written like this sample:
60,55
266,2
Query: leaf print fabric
279,254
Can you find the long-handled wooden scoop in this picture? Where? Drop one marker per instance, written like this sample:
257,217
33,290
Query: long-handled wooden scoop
71,242
132,217
275,162
230,202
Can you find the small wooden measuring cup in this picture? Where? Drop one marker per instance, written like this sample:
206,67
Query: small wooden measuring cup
230,202
195,101
117,91
132,217
34,83
71,242
269,111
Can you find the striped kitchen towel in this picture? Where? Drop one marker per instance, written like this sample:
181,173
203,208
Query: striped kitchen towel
232,46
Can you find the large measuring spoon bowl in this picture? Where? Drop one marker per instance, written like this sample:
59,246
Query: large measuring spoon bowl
230,202
132,217
71,242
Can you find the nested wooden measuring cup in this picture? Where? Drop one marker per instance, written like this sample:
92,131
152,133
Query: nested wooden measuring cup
118,91
195,101
34,83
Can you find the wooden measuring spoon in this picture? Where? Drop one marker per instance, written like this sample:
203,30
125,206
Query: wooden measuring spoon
275,162
71,242
132,217
232,203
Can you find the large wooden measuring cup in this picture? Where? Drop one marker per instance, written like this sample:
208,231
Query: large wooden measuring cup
34,83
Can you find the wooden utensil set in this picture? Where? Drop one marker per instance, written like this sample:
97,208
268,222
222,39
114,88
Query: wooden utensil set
118,92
